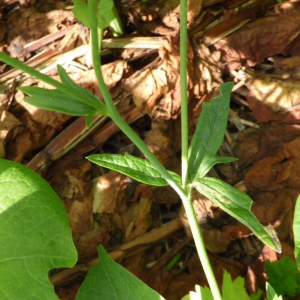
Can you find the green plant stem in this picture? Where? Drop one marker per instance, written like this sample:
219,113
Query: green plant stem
200,246
183,91
34,73
184,193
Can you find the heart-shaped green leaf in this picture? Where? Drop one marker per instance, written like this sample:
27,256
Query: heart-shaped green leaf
134,167
238,205
35,234
210,130
110,281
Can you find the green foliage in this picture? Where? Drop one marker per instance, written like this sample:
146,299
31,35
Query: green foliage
284,276
230,290
107,15
271,294
35,234
109,281
296,230
238,205
137,168
210,130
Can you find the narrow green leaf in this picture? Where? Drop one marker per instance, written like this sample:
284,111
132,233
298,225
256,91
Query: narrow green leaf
271,294
209,163
296,230
56,100
83,95
115,25
134,167
210,130
110,281
238,205
35,234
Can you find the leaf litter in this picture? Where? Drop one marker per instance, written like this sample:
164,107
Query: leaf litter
260,55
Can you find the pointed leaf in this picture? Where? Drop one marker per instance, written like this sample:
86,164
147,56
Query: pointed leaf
136,168
35,234
56,100
83,95
238,205
233,289
210,130
296,230
105,13
209,163
110,281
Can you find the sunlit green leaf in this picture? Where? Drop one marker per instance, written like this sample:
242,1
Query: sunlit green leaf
134,167
56,100
209,163
83,95
238,205
35,234
81,12
110,281
210,130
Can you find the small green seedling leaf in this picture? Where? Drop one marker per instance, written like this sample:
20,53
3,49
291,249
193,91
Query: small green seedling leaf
210,130
134,167
110,281
283,276
199,294
56,100
296,230
209,163
271,294
107,15
35,234
238,205
81,12
233,289
83,95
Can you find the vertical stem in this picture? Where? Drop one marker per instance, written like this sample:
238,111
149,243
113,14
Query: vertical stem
183,91
200,246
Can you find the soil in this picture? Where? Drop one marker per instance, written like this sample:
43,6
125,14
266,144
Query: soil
255,44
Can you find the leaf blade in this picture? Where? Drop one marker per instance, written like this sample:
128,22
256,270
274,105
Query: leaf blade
136,168
41,239
110,281
238,205
210,130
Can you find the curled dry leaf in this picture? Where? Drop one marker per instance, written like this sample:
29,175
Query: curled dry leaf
71,179
263,38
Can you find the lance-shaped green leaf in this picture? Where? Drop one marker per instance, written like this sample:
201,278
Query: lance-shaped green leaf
271,294
108,280
296,230
238,205
89,99
35,234
134,167
209,163
210,130
56,100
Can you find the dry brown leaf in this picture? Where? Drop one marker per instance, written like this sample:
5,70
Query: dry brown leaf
109,193
263,38
87,243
